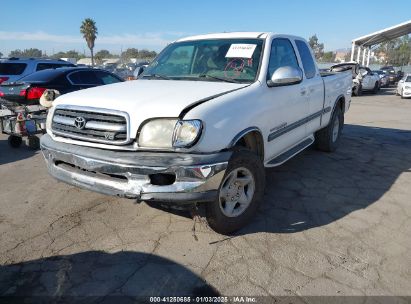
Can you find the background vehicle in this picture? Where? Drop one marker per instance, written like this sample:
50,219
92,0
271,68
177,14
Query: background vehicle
370,81
384,79
12,69
404,87
363,79
139,69
200,124
354,68
390,71
29,89
400,75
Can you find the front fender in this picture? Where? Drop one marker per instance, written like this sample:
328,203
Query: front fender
226,117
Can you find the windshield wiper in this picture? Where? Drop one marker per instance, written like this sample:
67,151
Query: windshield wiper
159,76
218,78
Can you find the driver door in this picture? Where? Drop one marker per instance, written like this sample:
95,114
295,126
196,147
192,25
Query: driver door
285,106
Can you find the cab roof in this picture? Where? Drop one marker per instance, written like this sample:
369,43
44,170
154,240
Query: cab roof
226,35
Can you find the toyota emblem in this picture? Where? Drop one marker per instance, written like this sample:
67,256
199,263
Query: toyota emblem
79,122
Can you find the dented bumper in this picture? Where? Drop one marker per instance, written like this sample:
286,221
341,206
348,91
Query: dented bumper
149,176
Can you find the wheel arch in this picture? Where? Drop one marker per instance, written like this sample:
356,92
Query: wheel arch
340,102
251,138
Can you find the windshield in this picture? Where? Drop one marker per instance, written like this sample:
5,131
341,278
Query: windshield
230,60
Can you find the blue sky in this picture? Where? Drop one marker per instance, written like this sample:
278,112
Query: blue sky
53,25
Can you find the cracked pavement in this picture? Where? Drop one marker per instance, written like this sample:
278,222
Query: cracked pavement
330,224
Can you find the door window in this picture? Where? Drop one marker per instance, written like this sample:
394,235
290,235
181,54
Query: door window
282,54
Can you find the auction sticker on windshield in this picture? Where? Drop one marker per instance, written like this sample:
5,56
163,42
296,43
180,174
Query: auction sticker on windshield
241,50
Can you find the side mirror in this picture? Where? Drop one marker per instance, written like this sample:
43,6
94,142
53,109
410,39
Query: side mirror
285,76
139,71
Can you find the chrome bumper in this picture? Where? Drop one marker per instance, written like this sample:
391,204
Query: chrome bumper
130,174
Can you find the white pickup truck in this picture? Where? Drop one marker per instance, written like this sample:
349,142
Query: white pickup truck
200,124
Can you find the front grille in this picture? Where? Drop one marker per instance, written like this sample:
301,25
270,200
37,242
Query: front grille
90,125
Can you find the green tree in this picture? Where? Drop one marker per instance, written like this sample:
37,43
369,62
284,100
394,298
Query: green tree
89,30
68,54
396,51
404,50
135,53
328,57
32,53
103,54
146,54
347,57
129,53
318,48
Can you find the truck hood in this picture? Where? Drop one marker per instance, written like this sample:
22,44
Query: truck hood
144,99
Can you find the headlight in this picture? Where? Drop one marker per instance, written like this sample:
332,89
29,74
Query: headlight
186,132
49,119
169,132
157,133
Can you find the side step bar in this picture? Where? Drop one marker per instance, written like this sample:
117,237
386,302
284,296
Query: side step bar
282,158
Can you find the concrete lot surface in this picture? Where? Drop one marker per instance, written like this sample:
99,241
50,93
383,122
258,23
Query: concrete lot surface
330,224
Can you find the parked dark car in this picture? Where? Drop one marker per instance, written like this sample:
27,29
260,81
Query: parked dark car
400,75
29,89
390,71
384,79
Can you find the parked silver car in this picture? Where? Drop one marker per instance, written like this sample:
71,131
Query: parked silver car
12,69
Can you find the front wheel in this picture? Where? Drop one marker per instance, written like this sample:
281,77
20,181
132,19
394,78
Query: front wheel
33,142
239,194
357,90
15,141
327,139
375,89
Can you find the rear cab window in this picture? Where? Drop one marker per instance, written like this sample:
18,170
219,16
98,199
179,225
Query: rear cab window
12,68
306,58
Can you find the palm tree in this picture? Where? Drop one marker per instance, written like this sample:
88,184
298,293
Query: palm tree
89,30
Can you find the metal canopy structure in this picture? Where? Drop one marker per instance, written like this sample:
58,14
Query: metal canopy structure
365,43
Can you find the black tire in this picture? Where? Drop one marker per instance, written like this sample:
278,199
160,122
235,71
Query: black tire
357,90
375,89
33,142
324,140
14,141
402,94
217,220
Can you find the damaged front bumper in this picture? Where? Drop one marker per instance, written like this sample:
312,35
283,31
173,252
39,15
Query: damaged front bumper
150,176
